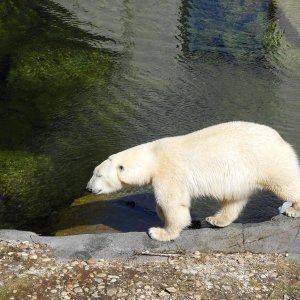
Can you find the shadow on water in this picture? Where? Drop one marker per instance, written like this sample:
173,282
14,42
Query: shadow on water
80,80
125,214
137,213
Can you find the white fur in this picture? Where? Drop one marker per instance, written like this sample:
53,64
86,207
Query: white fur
228,161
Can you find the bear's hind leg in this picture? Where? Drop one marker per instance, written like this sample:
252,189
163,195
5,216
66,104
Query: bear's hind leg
292,195
288,192
229,211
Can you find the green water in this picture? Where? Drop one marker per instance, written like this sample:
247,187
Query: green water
80,80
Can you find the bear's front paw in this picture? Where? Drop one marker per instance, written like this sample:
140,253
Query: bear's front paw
160,234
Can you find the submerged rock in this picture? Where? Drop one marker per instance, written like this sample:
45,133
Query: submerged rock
45,62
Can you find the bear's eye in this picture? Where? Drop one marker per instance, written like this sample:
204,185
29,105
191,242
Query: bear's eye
121,168
98,175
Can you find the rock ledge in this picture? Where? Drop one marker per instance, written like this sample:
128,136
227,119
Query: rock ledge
279,235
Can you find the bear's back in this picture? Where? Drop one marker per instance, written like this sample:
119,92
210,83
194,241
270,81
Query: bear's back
237,136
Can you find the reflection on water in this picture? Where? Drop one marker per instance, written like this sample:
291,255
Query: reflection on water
81,80
231,31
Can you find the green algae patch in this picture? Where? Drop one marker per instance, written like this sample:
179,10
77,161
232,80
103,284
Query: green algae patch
23,177
49,70
52,82
42,84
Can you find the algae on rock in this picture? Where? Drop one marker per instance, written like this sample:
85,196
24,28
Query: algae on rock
23,177
45,63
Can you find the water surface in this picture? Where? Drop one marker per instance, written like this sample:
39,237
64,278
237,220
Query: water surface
84,79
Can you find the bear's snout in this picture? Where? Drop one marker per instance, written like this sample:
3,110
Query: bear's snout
87,189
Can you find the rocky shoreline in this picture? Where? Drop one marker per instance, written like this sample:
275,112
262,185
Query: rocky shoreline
249,261
279,235
30,271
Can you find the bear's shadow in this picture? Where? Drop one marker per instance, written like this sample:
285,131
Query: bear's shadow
137,213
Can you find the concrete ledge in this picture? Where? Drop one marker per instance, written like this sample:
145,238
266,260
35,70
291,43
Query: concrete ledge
279,235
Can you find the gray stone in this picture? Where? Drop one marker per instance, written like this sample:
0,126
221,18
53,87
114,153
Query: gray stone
294,257
279,235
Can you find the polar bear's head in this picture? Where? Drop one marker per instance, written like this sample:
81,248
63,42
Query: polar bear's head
134,166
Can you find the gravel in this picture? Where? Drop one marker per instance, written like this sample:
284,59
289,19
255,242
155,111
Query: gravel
30,271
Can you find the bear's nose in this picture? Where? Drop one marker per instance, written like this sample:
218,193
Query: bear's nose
87,189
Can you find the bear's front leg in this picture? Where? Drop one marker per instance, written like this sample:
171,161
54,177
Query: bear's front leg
176,219
160,213
173,205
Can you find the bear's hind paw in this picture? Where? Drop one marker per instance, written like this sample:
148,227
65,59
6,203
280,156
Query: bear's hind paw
217,222
292,212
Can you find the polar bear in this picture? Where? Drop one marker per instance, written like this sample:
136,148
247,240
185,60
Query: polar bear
228,161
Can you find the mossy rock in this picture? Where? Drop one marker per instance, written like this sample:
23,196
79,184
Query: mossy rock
23,178
45,62
49,70
46,65
44,80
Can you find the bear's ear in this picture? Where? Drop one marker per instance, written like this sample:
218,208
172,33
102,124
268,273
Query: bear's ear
132,175
124,174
